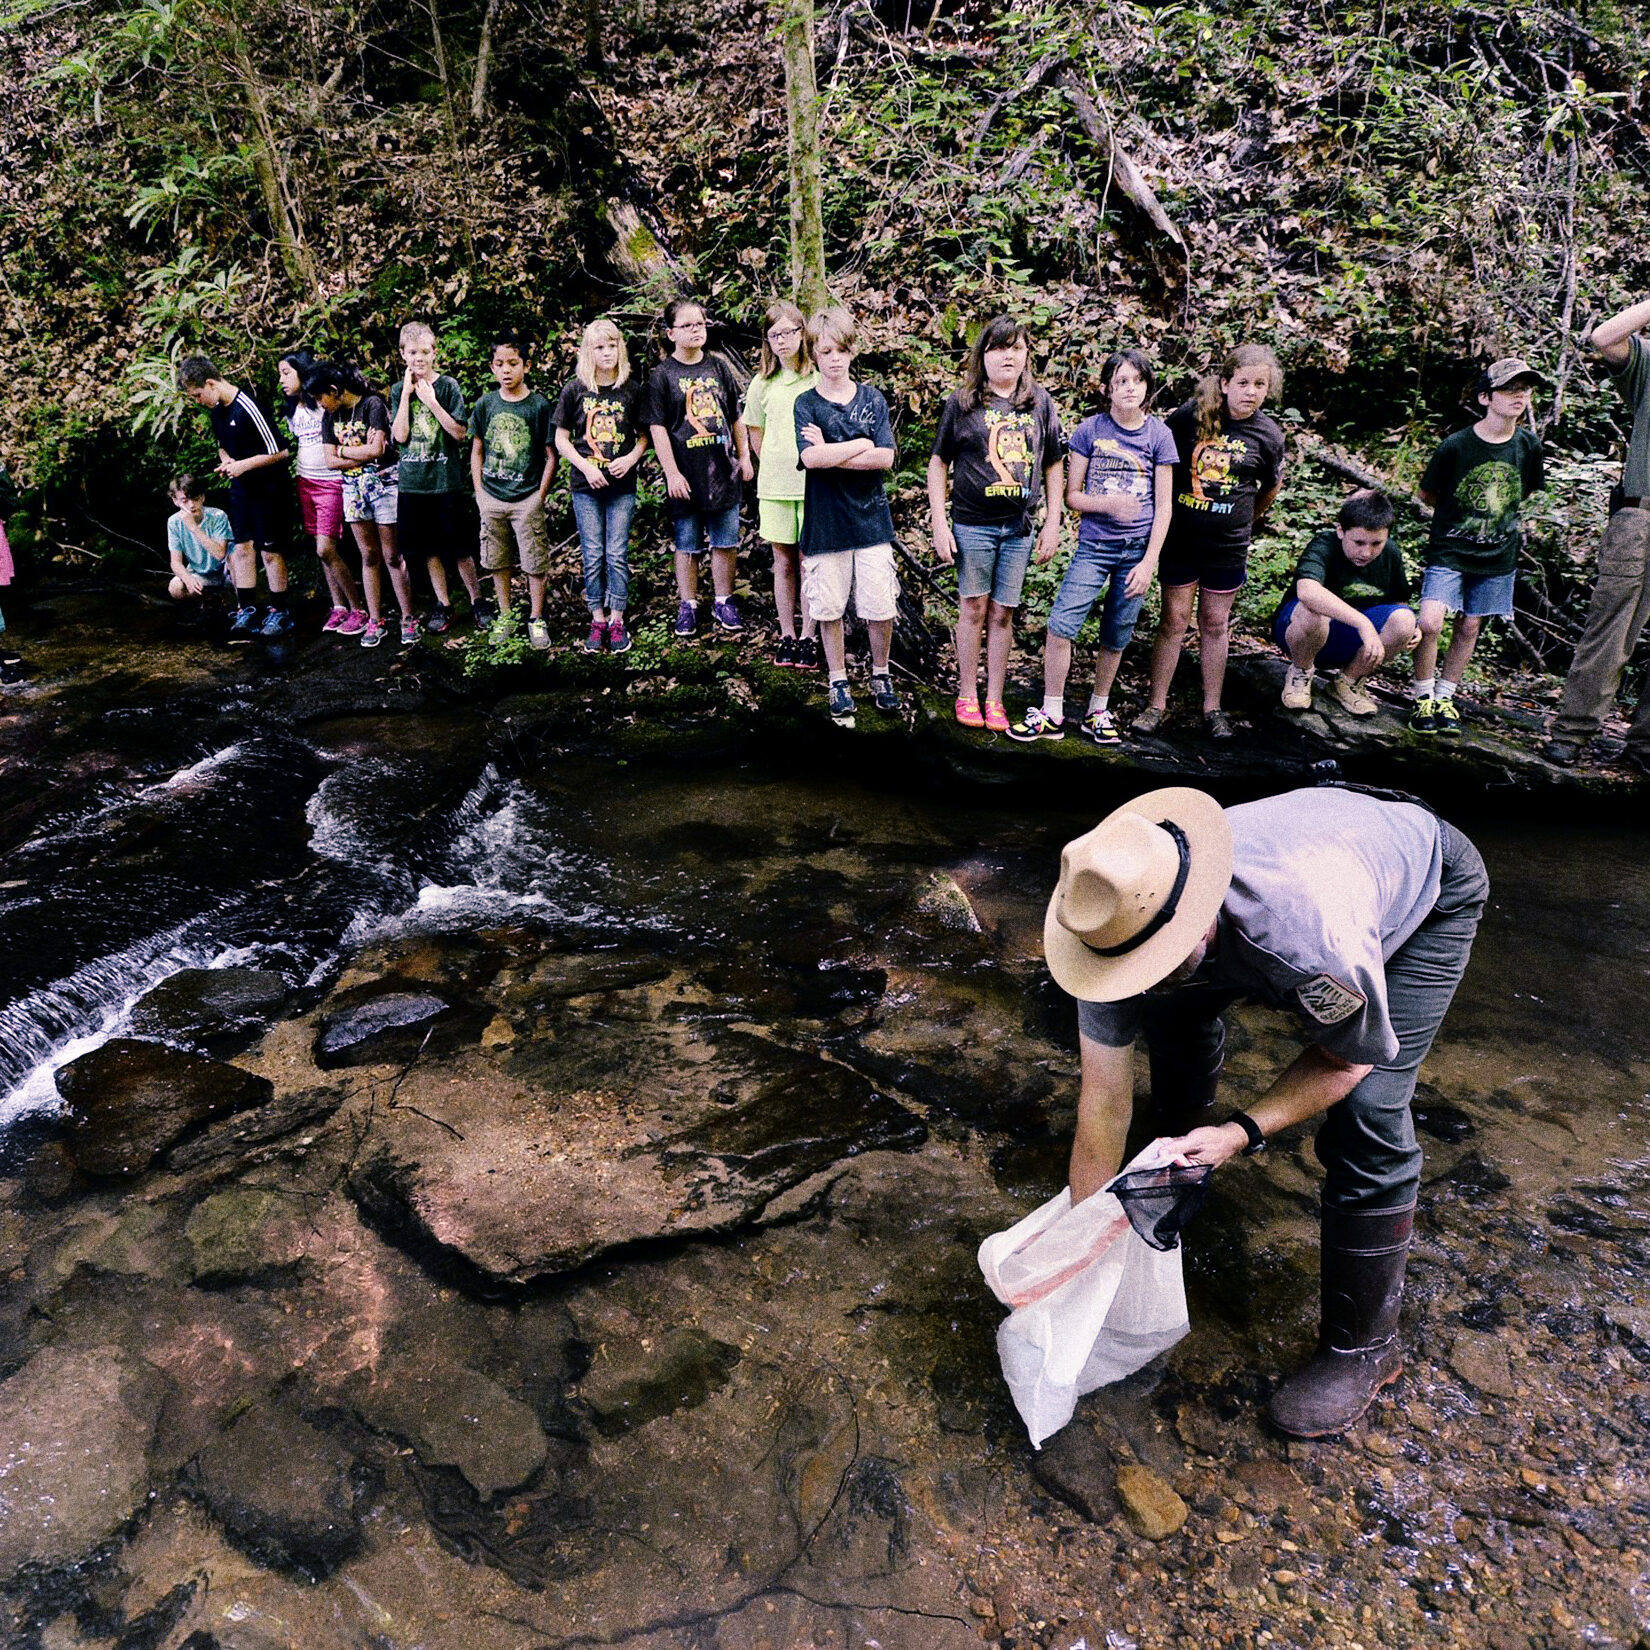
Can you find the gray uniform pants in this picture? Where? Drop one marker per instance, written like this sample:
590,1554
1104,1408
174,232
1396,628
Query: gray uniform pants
1366,1142
1615,621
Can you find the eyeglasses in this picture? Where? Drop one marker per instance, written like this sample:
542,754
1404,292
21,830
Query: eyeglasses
687,326
776,333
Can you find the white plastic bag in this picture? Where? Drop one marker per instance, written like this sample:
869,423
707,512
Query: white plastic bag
1091,1302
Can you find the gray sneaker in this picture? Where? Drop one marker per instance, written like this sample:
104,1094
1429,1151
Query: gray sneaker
883,695
842,705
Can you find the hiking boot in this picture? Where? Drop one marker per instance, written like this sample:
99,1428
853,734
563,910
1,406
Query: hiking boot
1449,719
277,622
726,616
618,638
1361,1264
1352,698
1218,725
842,705
784,655
807,654
597,639
334,619
1297,689
1036,724
440,620
1099,727
1148,721
1562,752
538,633
687,619
373,632
411,629
883,695
1424,717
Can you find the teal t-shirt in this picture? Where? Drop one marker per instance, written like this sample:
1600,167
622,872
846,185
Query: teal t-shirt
189,549
513,437
1479,486
1376,584
432,461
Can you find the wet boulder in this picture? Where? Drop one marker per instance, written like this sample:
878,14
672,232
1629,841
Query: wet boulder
377,1026
74,1468
210,1010
282,1491
129,1100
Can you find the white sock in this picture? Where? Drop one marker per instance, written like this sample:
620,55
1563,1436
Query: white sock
1054,707
1423,687
1446,690
1098,701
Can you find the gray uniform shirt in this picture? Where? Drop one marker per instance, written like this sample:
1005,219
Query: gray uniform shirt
1633,381
1326,885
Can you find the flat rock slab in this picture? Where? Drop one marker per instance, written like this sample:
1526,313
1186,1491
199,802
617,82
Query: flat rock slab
375,1026
76,1427
129,1100
210,1009
520,1187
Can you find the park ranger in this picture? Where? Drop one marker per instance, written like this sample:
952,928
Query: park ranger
1354,912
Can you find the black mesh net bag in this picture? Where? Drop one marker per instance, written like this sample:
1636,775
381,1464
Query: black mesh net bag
1160,1203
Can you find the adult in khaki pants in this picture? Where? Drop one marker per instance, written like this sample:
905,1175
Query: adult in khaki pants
1621,597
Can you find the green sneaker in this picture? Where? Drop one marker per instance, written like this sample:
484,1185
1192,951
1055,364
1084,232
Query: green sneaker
1424,718
503,627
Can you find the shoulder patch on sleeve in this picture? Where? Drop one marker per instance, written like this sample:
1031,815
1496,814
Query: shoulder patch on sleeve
1328,1001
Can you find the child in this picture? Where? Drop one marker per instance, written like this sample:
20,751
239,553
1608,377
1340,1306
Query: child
704,450
511,467
429,424
250,454
355,436
320,494
1228,466
1120,482
197,541
846,443
770,406
1000,435
1475,482
1350,610
11,662
600,434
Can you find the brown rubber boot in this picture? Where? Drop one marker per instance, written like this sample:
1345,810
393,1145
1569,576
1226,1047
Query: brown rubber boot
1362,1267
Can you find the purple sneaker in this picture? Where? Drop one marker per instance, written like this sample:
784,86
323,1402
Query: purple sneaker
597,639
726,616
687,619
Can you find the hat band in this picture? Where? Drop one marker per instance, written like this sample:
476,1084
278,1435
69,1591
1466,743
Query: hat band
1166,911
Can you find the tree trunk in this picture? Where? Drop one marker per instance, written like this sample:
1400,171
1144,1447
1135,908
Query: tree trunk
484,62
593,33
461,172
808,286
285,224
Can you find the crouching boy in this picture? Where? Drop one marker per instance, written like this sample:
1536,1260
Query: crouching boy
197,540
846,444
1350,611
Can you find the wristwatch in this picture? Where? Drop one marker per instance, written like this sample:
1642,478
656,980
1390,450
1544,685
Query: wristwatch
1257,1140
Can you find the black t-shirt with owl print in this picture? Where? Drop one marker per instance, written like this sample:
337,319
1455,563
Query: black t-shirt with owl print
603,425
998,452
1216,483
698,404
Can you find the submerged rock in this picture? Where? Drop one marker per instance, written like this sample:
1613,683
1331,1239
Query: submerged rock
381,1027
1149,1503
1076,1466
241,1235
282,1492
210,1009
76,1427
129,1100
635,1380
1483,1362
454,1417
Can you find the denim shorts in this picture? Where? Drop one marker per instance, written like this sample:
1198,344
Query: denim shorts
1469,593
370,494
1095,568
991,560
1344,643
692,527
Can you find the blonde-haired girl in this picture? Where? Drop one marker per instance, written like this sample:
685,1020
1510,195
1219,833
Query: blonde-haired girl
770,405
600,432
1229,463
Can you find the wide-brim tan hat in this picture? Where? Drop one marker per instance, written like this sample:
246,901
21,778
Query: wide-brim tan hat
1137,893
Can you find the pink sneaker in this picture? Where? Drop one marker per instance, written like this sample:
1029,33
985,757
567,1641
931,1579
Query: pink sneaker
996,717
353,623
618,638
335,618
